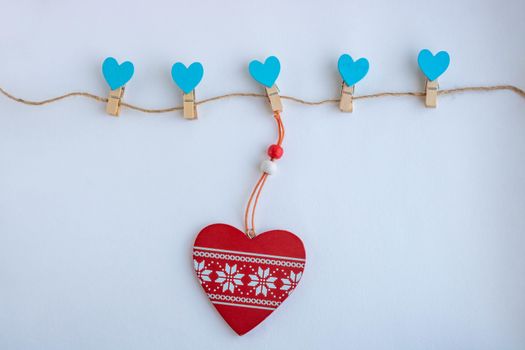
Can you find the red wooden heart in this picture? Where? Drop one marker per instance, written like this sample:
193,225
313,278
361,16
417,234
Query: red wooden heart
247,279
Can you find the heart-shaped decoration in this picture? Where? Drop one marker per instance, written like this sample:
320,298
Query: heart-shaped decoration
187,78
352,72
247,279
433,66
265,73
117,75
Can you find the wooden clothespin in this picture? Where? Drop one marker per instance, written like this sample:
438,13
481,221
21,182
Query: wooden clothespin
187,80
347,94
189,107
431,93
432,67
351,72
274,98
116,75
266,73
114,99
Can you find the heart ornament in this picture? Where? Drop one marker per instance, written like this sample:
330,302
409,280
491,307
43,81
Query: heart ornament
265,73
188,78
433,65
247,279
352,71
117,75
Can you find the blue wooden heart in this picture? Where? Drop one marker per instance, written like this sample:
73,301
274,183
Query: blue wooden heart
265,73
352,72
117,75
187,78
433,65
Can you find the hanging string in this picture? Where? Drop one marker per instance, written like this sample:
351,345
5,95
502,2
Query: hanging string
251,206
512,88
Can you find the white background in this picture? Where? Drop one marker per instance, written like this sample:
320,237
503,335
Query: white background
412,217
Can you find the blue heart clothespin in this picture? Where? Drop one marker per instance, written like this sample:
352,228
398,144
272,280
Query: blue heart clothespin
116,75
265,73
352,72
433,65
188,78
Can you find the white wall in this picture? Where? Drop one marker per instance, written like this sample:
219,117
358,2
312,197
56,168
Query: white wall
412,218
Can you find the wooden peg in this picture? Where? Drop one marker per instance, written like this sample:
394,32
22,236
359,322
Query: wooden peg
347,95
189,107
114,99
431,92
274,98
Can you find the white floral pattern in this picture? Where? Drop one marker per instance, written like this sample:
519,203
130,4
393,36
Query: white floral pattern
292,281
202,274
262,281
246,279
229,278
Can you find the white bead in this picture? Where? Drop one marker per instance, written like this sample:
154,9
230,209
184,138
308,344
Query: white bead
268,167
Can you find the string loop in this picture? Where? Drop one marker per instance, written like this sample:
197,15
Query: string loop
251,206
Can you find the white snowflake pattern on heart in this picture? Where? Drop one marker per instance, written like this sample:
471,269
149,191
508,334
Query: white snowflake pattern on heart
291,282
229,278
262,281
202,274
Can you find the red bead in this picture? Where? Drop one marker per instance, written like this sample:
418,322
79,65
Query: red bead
275,151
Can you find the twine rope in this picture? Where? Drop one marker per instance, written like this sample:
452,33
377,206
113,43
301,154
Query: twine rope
512,88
